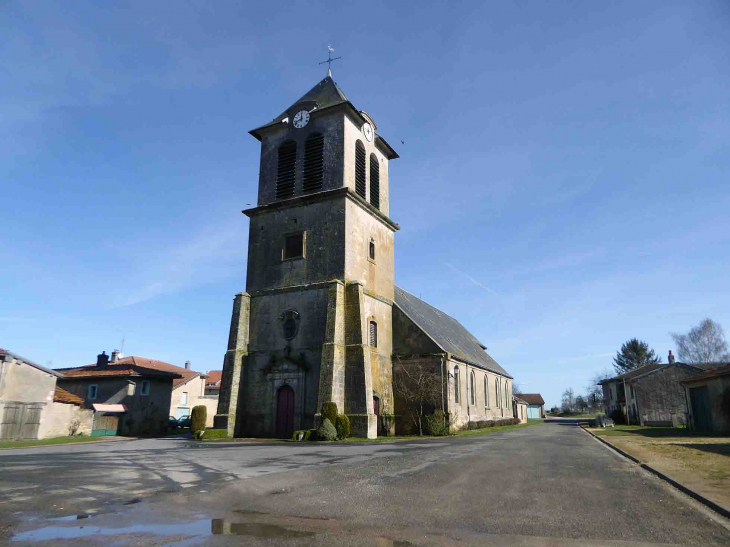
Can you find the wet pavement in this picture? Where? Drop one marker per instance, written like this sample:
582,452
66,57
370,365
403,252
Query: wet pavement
530,486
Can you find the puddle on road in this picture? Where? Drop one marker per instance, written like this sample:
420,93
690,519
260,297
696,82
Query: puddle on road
198,528
203,527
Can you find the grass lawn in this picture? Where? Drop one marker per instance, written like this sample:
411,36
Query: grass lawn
700,461
654,432
468,433
46,442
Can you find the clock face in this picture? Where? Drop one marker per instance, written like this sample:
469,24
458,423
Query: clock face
301,119
368,130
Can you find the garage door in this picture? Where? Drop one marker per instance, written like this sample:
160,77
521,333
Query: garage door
105,425
533,411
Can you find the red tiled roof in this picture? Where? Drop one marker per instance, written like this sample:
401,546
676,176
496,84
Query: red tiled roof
133,366
214,378
714,373
532,398
63,396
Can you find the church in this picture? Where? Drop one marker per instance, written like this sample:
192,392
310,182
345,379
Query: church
321,318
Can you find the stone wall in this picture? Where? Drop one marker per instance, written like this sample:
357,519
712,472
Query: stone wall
23,383
58,418
495,404
658,398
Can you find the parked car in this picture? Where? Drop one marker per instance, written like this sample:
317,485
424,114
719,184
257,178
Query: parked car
184,421
172,423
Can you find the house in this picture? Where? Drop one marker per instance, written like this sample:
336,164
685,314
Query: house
615,392
321,319
188,389
708,394
520,408
213,383
656,397
127,398
26,396
535,405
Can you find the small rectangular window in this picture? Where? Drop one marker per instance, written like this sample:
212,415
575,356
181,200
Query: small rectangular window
372,250
293,246
130,388
93,390
373,334
184,398
145,388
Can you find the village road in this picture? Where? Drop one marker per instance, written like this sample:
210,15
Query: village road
548,484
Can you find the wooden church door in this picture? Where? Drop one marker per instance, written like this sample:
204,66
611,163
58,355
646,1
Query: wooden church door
285,412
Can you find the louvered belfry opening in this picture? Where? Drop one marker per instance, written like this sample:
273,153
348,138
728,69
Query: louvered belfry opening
374,181
373,334
313,163
360,186
286,170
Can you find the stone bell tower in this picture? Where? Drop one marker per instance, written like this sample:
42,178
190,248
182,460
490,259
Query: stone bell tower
315,322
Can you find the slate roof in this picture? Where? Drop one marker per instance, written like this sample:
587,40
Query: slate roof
326,94
446,332
532,398
632,373
132,366
4,352
714,373
63,396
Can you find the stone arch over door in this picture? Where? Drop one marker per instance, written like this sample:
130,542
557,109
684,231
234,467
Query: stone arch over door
285,411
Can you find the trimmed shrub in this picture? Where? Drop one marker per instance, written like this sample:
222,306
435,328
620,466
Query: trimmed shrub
342,425
326,431
209,434
329,411
198,417
437,424
306,434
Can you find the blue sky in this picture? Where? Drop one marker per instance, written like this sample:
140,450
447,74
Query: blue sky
563,186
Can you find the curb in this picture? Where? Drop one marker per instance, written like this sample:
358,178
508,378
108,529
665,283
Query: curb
682,488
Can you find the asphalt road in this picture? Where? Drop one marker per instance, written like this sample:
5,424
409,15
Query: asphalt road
549,484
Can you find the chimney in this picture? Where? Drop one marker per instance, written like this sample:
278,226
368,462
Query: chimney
671,357
102,359
187,365
116,355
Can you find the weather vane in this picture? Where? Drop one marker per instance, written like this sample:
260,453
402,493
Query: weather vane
330,51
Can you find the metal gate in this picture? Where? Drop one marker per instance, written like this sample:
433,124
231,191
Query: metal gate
20,421
700,397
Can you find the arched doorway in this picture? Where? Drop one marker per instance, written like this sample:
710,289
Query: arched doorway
285,412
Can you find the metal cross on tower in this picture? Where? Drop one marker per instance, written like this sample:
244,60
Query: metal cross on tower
329,60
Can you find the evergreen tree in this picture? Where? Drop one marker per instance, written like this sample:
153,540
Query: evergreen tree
634,354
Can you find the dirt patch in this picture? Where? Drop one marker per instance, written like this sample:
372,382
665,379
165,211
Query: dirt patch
702,464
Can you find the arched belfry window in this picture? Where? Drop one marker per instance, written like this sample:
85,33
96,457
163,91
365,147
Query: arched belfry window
360,186
456,384
373,334
285,172
374,181
313,163
473,389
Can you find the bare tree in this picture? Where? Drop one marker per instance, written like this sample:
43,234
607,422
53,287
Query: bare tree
704,343
594,392
581,403
418,385
516,390
568,400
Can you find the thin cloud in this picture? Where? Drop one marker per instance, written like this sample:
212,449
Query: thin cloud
470,278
